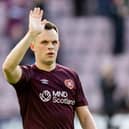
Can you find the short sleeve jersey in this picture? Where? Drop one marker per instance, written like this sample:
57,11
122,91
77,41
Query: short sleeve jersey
48,99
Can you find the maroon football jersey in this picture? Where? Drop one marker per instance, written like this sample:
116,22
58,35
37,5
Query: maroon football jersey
48,99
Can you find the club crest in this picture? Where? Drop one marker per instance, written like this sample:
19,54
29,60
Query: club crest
69,84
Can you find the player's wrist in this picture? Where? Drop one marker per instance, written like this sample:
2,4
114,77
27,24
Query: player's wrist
32,34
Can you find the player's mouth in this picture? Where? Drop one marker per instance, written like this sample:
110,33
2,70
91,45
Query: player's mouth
50,53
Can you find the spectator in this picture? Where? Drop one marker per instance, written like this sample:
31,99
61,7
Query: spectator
108,87
109,8
80,7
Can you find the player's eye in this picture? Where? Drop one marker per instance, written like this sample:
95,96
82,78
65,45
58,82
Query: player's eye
54,42
44,42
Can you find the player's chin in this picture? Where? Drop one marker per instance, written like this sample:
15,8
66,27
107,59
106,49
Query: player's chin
50,62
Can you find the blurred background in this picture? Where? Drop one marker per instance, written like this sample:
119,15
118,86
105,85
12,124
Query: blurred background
94,42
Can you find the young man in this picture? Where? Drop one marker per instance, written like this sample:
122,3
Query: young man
48,93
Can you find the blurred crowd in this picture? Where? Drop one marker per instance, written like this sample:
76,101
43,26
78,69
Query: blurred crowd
99,31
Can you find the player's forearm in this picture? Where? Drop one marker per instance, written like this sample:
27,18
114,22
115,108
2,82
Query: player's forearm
89,123
16,55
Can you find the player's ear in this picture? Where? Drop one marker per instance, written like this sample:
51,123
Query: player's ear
32,46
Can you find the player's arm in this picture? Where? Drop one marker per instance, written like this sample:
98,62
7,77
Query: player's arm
10,67
85,117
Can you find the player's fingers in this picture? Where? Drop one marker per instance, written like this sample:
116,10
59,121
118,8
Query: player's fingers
31,12
35,10
38,11
41,13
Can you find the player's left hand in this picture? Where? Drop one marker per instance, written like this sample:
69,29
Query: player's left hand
35,20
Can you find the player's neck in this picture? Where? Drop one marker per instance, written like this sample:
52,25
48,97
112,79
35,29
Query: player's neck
46,67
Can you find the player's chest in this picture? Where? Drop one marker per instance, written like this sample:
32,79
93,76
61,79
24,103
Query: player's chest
56,89
64,82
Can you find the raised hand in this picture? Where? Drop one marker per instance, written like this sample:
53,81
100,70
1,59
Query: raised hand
35,20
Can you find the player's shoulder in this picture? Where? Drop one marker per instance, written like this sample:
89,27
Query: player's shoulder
28,70
27,67
66,69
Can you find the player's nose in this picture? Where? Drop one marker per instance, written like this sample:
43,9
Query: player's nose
50,46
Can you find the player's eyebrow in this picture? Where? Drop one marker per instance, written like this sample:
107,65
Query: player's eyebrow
44,41
54,41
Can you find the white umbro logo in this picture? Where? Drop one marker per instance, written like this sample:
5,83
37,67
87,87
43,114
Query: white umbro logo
44,81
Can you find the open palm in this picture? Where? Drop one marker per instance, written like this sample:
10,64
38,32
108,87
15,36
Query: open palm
35,20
